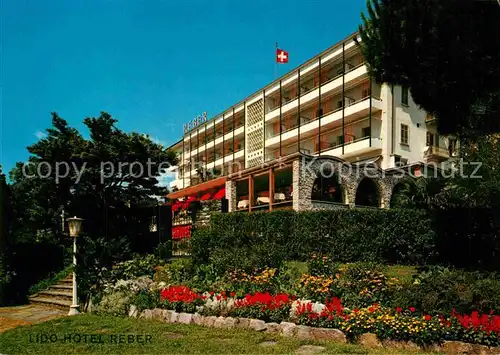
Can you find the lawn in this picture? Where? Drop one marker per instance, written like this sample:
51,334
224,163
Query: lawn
150,337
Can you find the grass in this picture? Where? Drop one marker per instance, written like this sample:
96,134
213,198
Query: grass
164,339
52,279
401,272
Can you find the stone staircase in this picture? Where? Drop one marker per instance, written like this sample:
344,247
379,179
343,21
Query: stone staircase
58,295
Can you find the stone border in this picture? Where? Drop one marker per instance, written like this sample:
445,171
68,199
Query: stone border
303,332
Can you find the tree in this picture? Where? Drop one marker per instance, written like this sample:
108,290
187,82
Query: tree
445,51
85,177
424,192
477,180
4,230
99,179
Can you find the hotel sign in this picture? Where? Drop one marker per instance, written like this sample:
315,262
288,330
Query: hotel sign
200,119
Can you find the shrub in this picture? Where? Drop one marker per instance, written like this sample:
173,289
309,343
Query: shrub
178,271
322,265
140,265
440,289
469,237
244,241
115,303
145,300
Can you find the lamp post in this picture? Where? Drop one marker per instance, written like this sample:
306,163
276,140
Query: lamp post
75,227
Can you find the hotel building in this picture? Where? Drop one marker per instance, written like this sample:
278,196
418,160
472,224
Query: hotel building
327,109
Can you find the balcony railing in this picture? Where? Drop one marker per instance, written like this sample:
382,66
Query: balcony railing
303,90
434,151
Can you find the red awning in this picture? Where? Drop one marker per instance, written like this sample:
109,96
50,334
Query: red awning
180,232
220,194
206,196
199,188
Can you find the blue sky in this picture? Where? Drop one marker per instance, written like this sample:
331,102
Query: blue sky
153,65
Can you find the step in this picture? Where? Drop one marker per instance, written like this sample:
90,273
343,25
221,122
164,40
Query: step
65,282
50,302
57,287
56,294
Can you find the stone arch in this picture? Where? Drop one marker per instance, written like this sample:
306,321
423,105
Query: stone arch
328,189
368,193
397,192
307,172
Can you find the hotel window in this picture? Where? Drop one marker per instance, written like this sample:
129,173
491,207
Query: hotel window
404,95
400,161
405,130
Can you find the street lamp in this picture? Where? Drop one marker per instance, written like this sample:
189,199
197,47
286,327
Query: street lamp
75,227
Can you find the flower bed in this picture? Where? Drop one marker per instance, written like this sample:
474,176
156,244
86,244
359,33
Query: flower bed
385,323
263,306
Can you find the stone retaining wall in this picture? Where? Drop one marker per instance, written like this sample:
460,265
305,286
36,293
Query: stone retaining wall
288,329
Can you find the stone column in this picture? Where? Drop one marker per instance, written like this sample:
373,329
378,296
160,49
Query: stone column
296,184
231,195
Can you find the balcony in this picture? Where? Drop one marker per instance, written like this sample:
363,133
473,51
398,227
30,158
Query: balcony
354,110
219,139
354,74
434,153
219,160
430,119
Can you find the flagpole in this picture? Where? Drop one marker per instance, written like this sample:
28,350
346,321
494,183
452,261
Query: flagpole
276,60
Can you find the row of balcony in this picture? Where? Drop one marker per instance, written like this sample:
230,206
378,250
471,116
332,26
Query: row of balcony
308,126
208,133
210,143
356,79
329,77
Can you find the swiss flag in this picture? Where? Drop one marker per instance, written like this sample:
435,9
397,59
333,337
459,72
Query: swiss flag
281,56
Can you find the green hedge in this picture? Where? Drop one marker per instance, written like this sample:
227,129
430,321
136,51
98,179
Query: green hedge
243,240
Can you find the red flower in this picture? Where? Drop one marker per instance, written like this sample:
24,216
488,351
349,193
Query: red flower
265,300
178,294
427,317
355,310
399,309
233,294
371,309
412,309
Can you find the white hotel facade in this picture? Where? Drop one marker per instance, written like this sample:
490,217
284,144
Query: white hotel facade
326,107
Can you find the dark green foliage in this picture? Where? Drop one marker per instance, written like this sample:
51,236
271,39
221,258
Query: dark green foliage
139,265
469,237
32,262
445,51
4,230
256,240
112,205
52,279
145,300
95,258
440,289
